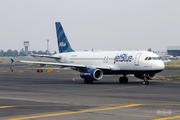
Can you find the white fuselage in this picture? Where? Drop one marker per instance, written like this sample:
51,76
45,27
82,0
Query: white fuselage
115,60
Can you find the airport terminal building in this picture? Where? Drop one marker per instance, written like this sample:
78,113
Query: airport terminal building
173,50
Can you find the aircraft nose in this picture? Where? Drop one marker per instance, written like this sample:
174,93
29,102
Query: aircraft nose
161,65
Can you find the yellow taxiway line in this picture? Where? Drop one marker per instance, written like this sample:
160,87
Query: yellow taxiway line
168,118
2,107
75,112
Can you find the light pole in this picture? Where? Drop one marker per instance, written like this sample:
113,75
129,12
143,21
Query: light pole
47,45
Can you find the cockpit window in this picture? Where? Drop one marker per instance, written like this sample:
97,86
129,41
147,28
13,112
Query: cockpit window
152,58
149,58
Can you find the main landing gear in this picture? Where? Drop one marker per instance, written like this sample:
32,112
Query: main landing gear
145,82
123,79
86,81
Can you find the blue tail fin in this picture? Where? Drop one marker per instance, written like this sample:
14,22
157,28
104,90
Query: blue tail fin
63,43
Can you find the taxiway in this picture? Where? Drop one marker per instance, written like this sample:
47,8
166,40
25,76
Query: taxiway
27,95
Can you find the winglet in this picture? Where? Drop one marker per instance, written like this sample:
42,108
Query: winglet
12,61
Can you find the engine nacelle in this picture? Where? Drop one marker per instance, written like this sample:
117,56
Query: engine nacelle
92,74
149,76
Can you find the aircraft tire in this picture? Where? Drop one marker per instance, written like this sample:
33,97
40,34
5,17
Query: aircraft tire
86,81
121,80
90,81
145,82
125,80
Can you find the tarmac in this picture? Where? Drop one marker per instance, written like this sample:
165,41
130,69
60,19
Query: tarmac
62,94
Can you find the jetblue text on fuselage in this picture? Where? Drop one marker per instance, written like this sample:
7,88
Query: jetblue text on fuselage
123,58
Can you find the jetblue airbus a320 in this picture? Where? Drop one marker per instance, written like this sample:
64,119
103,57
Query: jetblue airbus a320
92,65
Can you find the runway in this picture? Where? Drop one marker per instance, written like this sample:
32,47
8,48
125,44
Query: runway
27,95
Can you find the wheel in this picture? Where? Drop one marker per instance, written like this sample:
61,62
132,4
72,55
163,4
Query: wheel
121,80
145,82
86,81
90,81
125,80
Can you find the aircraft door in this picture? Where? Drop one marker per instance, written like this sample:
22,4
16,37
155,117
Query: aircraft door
66,58
106,58
136,60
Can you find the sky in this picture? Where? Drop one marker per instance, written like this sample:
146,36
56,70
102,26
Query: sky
90,24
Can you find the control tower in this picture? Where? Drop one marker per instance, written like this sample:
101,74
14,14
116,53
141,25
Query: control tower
26,44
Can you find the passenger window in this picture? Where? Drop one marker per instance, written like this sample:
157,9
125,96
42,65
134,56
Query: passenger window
149,58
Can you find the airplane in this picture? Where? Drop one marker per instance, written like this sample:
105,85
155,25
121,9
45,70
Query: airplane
92,65
39,55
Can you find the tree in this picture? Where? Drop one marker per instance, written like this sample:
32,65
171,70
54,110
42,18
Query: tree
1,53
22,53
47,52
150,49
9,53
41,52
15,53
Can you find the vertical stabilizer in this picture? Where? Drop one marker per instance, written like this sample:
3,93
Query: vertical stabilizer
63,43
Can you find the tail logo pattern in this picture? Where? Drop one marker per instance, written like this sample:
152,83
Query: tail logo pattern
62,44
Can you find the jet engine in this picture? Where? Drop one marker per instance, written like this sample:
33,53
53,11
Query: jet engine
92,74
149,76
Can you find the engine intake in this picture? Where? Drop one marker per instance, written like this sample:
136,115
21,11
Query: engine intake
151,76
92,74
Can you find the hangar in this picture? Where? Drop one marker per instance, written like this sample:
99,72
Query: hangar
173,50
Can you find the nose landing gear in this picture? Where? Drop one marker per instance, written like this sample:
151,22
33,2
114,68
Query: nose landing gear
145,82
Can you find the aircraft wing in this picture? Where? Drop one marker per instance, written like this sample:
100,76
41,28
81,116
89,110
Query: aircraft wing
44,56
48,56
62,64
165,60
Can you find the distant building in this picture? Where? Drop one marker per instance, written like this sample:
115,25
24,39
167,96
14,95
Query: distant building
173,50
